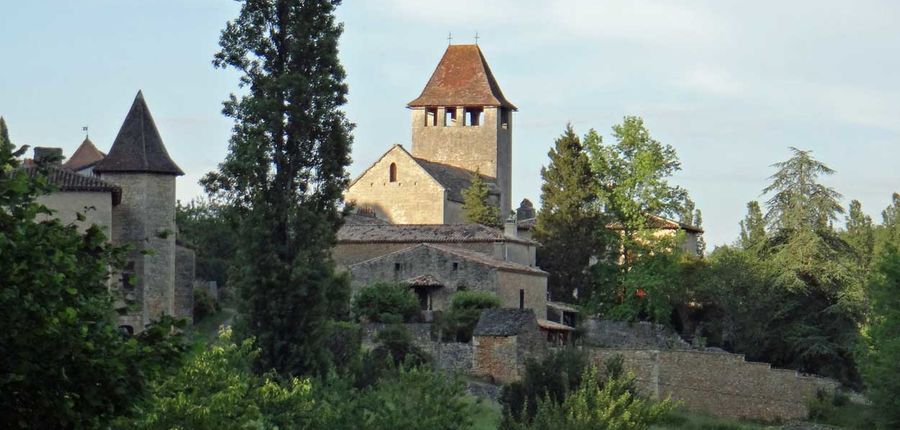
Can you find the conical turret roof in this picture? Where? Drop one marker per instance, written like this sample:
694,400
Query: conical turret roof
85,156
462,78
138,148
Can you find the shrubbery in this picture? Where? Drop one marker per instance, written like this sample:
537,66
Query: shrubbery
385,302
459,321
552,378
204,304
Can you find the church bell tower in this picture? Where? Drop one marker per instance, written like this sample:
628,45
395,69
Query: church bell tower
462,119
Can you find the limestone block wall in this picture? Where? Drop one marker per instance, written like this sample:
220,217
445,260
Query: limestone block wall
720,384
516,252
534,286
413,198
184,283
145,219
447,356
486,147
95,206
496,357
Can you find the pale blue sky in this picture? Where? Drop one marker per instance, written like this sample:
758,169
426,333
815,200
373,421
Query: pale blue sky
729,84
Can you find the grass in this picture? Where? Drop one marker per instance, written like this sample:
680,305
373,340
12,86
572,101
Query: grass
487,414
848,416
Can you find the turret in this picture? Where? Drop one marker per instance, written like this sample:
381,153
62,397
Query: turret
145,219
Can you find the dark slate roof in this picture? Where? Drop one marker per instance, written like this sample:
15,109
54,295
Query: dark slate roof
462,78
660,223
526,224
67,180
422,233
454,179
85,156
504,322
138,147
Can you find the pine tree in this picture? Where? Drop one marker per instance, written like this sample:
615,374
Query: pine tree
860,234
477,207
5,143
799,202
568,222
753,227
285,172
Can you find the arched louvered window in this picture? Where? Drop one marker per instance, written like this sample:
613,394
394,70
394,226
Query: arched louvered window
392,172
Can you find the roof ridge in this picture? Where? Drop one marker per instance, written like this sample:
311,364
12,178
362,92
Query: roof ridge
462,77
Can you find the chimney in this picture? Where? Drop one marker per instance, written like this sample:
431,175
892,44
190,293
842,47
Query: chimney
51,156
511,227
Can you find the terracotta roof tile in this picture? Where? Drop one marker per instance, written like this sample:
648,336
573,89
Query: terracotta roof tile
423,281
422,233
66,180
486,260
85,156
462,78
138,146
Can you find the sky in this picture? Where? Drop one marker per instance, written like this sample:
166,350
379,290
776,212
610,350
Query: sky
731,85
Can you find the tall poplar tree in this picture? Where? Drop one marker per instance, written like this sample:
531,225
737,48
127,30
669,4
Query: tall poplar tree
860,234
568,223
285,172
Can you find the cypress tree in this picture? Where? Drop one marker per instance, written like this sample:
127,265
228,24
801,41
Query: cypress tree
860,234
477,208
568,222
5,143
285,172
753,227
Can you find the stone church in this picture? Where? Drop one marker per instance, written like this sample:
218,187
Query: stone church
410,227
130,194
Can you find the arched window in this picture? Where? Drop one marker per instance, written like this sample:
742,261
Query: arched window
392,172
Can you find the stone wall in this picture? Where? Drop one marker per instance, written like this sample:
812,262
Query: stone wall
413,198
624,334
447,356
184,283
719,384
346,254
534,286
95,206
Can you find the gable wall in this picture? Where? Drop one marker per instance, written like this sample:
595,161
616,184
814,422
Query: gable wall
415,198
96,208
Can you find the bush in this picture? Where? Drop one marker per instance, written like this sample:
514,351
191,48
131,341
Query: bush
218,390
204,304
552,378
465,308
395,349
343,340
881,366
598,403
386,302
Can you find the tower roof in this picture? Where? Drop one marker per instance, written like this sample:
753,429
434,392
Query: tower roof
85,156
138,148
462,78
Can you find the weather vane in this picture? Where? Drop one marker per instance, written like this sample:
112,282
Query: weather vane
449,38
85,130
476,37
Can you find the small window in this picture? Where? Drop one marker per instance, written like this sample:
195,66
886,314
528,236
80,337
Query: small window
521,299
392,172
504,118
126,330
450,116
430,117
455,266
396,267
128,276
473,116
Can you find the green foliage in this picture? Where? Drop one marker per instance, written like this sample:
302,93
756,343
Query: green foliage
343,341
569,225
63,361
551,378
753,227
409,398
799,202
385,302
597,403
633,175
217,390
465,308
5,143
477,207
881,367
860,235
284,174
887,235
204,304
204,226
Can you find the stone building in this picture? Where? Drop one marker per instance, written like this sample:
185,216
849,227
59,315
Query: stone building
503,341
461,124
130,194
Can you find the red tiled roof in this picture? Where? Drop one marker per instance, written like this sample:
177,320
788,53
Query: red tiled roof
85,156
462,78
422,233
